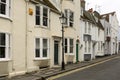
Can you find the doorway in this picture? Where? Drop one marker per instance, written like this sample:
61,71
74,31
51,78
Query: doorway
77,51
56,52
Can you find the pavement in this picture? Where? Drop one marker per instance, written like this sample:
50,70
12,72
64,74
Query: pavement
43,74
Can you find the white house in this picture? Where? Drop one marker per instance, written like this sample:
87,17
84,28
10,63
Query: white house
92,35
111,25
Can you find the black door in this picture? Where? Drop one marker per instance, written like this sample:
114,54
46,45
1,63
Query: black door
56,50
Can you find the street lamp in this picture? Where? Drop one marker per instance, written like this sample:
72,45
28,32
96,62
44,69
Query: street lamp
62,20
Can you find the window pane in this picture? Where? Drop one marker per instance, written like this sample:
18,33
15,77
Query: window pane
37,43
3,1
66,15
37,17
71,45
45,12
71,42
45,21
37,52
45,16
71,16
44,52
44,43
37,49
65,45
2,39
2,52
71,49
65,41
45,46
2,8
71,19
65,49
71,24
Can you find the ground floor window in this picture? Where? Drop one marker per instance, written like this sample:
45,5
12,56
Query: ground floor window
87,46
41,47
69,45
4,46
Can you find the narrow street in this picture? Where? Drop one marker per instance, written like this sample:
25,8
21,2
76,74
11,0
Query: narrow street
109,70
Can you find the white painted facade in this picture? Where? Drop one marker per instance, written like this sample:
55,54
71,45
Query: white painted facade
92,37
111,26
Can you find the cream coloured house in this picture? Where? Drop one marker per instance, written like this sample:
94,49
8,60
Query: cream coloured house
71,9
30,36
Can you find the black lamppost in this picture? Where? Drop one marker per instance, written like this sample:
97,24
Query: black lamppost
62,20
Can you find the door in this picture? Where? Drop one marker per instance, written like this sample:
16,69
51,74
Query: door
77,56
56,52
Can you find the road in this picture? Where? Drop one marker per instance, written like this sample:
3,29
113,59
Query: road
109,70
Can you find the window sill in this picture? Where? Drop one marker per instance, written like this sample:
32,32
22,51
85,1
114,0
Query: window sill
39,26
5,17
69,54
2,60
37,59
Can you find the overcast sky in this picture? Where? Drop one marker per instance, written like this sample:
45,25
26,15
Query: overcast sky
104,6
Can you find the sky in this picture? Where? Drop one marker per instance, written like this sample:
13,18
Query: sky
104,6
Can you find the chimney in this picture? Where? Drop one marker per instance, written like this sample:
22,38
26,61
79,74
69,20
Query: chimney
83,4
90,10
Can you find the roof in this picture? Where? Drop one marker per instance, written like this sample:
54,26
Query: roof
90,16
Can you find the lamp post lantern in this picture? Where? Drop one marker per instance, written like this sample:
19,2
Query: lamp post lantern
62,20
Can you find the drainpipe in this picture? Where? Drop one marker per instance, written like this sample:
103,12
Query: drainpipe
26,64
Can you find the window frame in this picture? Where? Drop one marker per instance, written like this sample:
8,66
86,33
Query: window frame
7,9
6,46
41,23
67,15
41,48
68,46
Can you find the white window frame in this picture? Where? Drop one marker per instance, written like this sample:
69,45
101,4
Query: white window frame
68,45
85,46
41,48
41,16
67,15
7,47
7,9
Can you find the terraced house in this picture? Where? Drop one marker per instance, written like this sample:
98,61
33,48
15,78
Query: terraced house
31,34
92,35
111,25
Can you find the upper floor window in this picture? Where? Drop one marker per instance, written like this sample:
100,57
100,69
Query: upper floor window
4,46
69,17
5,8
42,16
